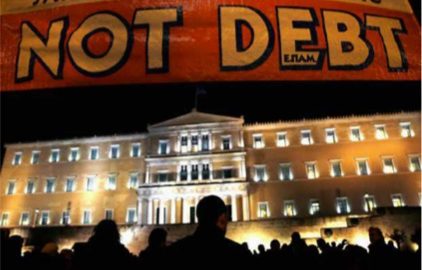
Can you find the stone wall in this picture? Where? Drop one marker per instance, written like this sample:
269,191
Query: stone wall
334,228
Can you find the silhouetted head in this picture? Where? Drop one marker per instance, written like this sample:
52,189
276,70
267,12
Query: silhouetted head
295,237
261,249
14,244
375,235
106,231
157,238
275,245
321,243
212,212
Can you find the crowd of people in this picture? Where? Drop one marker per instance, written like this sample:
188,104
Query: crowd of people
208,248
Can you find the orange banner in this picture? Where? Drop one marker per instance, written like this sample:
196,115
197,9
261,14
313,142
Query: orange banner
49,44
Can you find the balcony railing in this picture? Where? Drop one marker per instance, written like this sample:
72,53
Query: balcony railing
216,175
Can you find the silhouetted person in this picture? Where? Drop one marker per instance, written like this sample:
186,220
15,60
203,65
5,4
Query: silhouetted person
208,247
104,250
153,255
381,256
12,252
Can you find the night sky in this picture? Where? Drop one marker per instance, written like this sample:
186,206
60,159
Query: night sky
82,112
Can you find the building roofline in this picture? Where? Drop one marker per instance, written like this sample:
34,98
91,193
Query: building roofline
82,140
336,119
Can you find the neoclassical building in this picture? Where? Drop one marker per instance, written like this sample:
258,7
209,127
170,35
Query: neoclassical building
321,167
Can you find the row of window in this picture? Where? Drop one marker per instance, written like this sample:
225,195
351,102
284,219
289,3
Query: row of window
355,135
202,171
342,206
336,169
91,184
43,217
202,143
289,210
74,154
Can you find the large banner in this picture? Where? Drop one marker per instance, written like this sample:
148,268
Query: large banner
62,43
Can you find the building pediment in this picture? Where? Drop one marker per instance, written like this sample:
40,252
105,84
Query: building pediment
196,118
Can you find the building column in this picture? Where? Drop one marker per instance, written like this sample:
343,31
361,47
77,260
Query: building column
149,212
173,211
185,210
147,175
161,216
234,208
140,219
245,205
196,204
242,173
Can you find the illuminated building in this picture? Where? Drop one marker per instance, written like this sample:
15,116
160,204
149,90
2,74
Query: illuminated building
322,167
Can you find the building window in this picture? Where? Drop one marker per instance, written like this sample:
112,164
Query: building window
306,137
226,142
311,170
17,159
50,185
114,151
282,140
205,142
289,208
94,153
108,214
183,172
87,217
263,210
5,219
163,147
314,207
369,204
194,140
74,154
258,141
397,200
111,183
336,169
131,216
65,220
54,156
260,173
415,163
70,184
194,172
35,157
133,180
355,134
380,132
184,141
342,205
30,187
135,151
11,186
90,183
330,135
406,130
45,218
363,167
227,173
162,177
205,171
286,172
388,165
24,219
